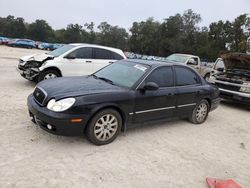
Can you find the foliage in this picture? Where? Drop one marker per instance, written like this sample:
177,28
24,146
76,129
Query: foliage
176,34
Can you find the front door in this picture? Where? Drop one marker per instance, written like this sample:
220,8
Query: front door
157,104
78,62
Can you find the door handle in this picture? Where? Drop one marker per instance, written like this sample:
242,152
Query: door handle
88,61
111,62
170,94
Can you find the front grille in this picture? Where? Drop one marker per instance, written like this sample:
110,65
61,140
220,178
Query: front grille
40,95
228,87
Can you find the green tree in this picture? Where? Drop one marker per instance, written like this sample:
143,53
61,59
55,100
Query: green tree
40,30
145,37
113,36
241,30
73,33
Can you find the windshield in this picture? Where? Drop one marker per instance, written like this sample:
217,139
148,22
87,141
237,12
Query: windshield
124,74
61,50
178,58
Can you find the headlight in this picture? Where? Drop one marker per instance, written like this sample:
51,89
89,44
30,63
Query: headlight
33,64
245,89
61,105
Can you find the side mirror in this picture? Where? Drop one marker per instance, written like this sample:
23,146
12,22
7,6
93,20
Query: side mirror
150,86
70,56
191,62
220,69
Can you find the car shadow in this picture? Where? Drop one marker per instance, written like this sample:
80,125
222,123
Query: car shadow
167,124
235,104
27,83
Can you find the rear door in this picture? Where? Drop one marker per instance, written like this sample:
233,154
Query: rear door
159,104
188,85
78,63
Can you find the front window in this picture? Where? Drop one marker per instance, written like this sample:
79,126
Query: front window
124,74
82,53
60,51
178,58
162,76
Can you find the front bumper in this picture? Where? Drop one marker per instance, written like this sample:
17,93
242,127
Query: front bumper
60,123
29,74
235,96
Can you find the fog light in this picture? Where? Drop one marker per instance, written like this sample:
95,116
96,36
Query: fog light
49,127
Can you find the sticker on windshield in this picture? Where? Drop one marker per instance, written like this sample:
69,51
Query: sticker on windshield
140,67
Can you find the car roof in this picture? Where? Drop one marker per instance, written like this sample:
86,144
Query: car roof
188,55
150,62
92,45
119,51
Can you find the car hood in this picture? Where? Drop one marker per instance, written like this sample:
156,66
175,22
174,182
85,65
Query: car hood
76,86
37,57
236,61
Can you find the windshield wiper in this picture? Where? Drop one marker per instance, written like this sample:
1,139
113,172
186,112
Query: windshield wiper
104,79
96,77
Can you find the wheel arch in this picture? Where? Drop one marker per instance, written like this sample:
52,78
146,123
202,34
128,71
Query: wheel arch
52,68
109,106
209,101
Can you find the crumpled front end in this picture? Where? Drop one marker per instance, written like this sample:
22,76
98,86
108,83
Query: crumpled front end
29,70
28,66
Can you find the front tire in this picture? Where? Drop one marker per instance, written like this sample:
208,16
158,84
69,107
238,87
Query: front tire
104,127
207,76
48,74
200,112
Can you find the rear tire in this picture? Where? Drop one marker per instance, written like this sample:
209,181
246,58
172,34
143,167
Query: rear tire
200,112
48,74
104,127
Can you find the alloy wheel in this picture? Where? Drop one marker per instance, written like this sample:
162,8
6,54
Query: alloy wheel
105,127
201,112
49,76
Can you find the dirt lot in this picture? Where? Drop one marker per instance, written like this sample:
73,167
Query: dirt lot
172,155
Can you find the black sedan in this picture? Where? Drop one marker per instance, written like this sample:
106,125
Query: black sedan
122,95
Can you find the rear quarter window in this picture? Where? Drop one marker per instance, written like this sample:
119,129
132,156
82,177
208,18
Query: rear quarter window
116,56
186,76
102,54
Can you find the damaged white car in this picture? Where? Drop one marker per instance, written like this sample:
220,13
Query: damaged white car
234,80
69,60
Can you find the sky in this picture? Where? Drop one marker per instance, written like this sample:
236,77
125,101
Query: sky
59,13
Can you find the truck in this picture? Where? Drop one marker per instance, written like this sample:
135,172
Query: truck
193,61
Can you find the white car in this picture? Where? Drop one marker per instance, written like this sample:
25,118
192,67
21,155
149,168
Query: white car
69,60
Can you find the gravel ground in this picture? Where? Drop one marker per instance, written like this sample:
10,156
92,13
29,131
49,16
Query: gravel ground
172,155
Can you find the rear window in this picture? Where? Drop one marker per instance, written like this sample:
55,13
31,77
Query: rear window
116,56
102,54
